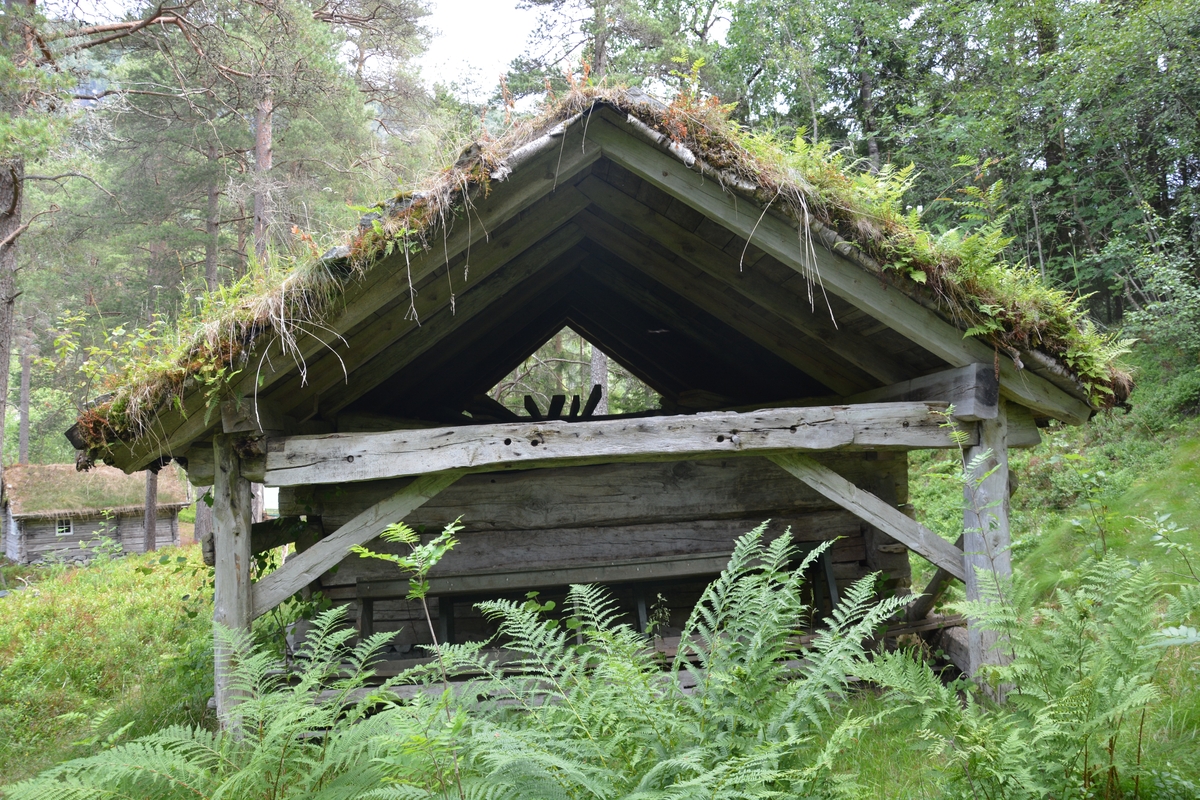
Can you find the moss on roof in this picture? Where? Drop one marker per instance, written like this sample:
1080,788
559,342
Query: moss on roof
58,490
963,276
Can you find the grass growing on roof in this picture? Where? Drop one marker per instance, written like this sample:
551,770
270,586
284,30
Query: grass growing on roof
963,275
60,490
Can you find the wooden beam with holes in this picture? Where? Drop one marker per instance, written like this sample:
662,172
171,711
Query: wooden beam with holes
871,509
781,239
339,458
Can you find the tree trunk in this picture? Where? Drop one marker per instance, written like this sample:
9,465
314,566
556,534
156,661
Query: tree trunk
263,113
150,520
600,55
600,377
866,97
23,438
12,176
212,224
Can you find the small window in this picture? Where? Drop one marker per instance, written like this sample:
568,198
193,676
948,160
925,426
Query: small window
64,527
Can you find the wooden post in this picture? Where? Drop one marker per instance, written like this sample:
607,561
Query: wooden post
231,576
986,539
150,515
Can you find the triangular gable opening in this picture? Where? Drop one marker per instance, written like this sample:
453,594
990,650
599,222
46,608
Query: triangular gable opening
562,368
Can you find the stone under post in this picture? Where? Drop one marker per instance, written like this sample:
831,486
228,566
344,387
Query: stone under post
986,540
232,604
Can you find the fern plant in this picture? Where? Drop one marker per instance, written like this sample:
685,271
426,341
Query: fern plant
1082,678
581,708
302,735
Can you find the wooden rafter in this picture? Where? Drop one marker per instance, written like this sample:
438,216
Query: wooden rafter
756,324
548,261
814,323
515,253
783,241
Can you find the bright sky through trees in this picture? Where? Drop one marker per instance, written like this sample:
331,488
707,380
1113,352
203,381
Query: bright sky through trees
474,41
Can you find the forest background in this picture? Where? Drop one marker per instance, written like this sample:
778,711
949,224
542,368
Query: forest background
158,152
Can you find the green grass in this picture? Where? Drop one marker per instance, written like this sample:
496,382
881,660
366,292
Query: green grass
1078,482
85,651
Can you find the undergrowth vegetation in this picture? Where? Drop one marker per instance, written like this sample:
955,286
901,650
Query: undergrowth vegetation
87,651
962,272
582,708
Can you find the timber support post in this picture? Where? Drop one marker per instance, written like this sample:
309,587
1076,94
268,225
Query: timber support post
986,539
231,577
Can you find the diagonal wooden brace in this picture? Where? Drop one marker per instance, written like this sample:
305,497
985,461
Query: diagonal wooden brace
868,507
303,568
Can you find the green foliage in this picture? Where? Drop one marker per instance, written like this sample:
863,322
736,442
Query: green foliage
563,366
1080,678
583,710
275,753
85,651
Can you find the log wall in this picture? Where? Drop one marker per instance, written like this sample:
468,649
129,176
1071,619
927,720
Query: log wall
581,515
38,539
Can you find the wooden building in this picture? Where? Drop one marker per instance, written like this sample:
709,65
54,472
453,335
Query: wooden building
796,374
53,511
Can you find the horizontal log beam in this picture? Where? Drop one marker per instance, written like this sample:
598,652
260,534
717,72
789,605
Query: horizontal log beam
973,390
304,568
340,458
871,509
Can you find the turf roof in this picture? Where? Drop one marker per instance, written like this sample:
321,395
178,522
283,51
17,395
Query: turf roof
963,276
58,490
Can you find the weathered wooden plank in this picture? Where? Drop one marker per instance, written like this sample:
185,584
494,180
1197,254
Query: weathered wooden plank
303,568
750,488
1022,428
515,550
813,322
231,574
986,542
339,458
973,391
867,506
619,571
780,238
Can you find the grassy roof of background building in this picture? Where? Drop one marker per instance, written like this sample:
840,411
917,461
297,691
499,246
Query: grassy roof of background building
58,490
